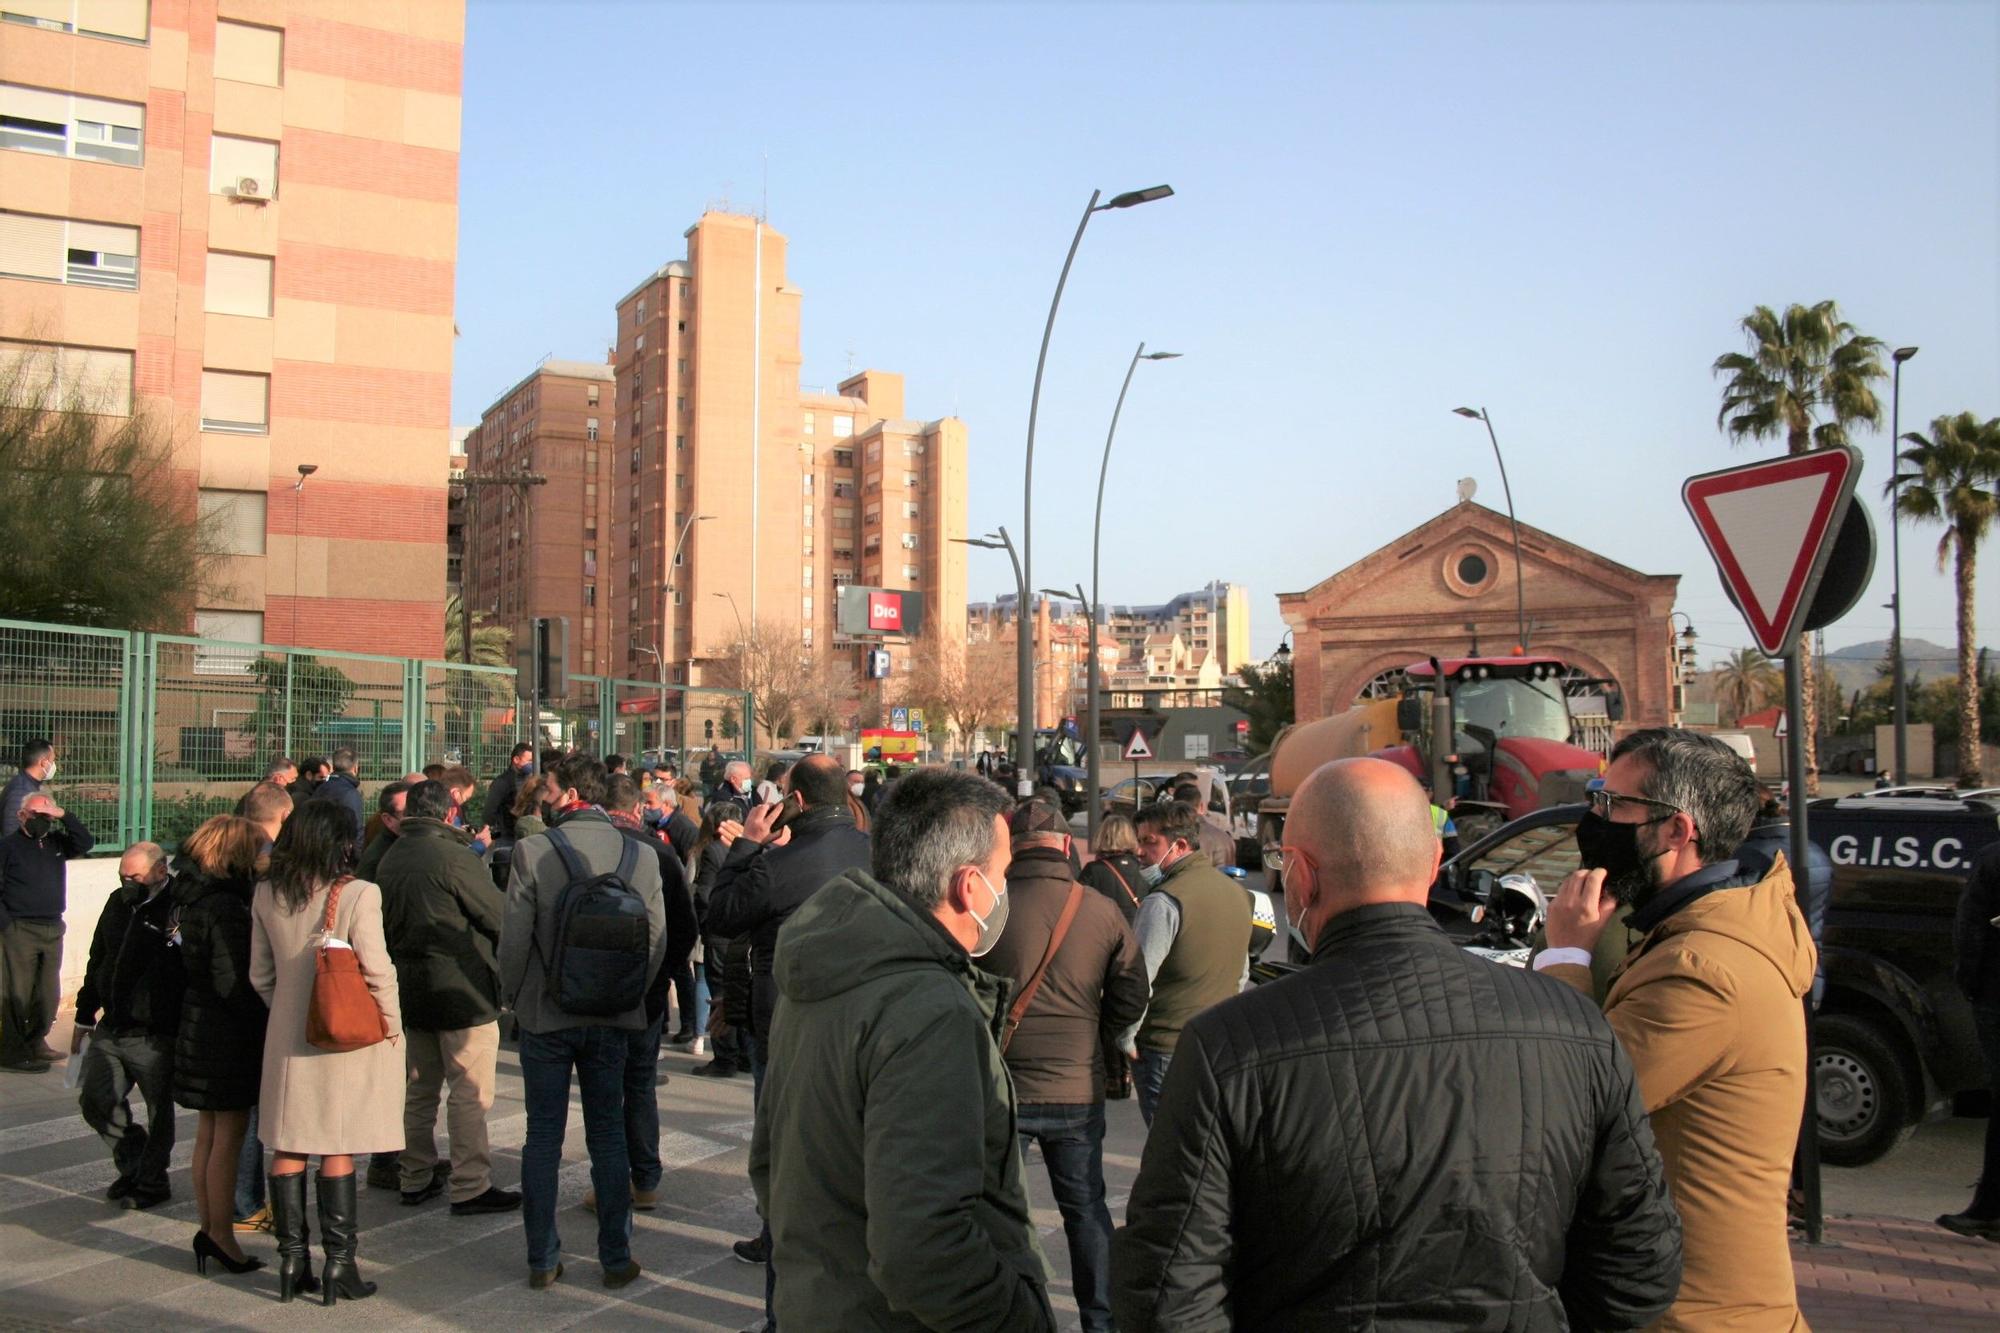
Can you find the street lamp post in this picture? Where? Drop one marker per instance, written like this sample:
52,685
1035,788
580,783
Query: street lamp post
1520,597
1093,786
298,503
1024,726
1684,657
1899,356
1024,660
666,619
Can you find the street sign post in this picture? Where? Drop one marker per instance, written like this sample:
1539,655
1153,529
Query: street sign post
1772,528
1137,746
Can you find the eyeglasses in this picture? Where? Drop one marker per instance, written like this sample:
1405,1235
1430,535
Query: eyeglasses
1602,800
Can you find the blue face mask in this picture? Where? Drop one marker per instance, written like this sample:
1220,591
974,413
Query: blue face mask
1151,874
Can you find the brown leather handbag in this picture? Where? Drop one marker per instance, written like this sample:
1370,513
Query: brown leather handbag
343,1015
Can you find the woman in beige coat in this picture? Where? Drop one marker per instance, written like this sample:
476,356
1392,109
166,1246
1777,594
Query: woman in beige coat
321,1103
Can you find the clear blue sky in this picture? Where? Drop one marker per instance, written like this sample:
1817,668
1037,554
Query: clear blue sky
1382,211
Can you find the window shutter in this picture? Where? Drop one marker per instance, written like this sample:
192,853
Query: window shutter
238,519
104,238
238,285
114,18
129,115
49,11
248,54
231,159
234,399
101,377
30,246
34,104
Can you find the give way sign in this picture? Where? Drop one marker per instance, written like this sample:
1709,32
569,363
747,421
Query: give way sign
1770,527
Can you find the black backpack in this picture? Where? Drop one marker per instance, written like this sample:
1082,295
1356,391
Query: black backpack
602,936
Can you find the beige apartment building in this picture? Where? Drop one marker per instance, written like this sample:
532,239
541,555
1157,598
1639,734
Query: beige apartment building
534,550
1213,621
242,215
739,498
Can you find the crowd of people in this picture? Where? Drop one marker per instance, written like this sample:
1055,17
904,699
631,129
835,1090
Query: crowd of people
928,981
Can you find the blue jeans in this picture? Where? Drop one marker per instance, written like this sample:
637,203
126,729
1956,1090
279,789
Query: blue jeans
250,1172
642,1104
598,1056
1148,1077
1072,1139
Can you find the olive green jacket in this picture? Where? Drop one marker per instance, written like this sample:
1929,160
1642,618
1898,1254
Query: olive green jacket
885,1155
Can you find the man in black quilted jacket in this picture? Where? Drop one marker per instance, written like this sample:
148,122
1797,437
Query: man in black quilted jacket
1466,1140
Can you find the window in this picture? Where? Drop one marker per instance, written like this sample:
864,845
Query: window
639,343
843,490
589,596
843,458
238,285
681,366
87,254
843,425
235,403
680,443
805,576
807,427
243,167
911,481
590,562
638,415
98,379
909,541
233,521
248,54
36,120
590,433
677,596
874,451
229,627
807,479
808,516
92,18
806,607
910,509
910,573
680,404
590,395
639,311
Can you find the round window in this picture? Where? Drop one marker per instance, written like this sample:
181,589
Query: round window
1471,569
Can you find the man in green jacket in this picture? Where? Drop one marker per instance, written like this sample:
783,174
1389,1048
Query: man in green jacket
885,1154
441,916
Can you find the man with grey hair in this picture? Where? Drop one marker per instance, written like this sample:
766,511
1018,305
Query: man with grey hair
1399,1135
1708,1004
135,981
741,781
884,1153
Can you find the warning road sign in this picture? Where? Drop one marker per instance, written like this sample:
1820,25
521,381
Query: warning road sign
1770,527
1136,746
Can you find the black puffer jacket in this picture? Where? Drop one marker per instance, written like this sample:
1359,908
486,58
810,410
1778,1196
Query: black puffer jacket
219,1050
759,887
134,975
1118,878
1466,1139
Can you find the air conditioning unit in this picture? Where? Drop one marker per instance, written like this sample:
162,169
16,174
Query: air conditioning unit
248,187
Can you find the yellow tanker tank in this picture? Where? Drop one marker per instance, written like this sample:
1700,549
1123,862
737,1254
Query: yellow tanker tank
1300,749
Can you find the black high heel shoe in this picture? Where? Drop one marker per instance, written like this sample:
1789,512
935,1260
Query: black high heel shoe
206,1249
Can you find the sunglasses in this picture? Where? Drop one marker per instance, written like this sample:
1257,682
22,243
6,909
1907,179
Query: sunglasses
1602,800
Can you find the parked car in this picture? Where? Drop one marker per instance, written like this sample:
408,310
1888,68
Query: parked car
1893,1038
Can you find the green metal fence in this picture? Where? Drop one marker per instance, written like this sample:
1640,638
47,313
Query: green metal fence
155,733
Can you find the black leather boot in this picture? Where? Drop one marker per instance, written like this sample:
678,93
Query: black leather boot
338,1222
288,1223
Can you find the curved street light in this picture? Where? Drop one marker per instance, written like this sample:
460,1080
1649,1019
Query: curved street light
1024,662
1520,597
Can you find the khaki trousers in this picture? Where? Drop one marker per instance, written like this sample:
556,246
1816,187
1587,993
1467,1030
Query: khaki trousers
465,1060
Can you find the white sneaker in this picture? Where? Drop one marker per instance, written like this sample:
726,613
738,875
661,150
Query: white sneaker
700,1046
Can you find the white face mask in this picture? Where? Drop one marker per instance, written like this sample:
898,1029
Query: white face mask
50,775
855,787
993,922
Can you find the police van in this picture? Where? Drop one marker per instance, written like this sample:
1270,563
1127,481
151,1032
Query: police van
1894,1035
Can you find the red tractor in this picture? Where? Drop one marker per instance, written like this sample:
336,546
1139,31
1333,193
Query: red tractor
1508,734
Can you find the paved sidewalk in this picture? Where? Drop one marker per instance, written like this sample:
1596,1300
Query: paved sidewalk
1891,1273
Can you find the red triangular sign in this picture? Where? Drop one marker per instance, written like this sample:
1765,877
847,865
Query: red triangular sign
1770,527
1136,747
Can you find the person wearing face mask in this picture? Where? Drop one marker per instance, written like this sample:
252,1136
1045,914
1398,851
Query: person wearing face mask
38,766
389,804
739,782
884,1153
130,1008
34,894
1708,1004
500,792
779,859
1194,934
1077,980
1400,1134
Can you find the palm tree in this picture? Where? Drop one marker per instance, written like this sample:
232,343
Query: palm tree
492,645
1805,378
1950,479
1746,682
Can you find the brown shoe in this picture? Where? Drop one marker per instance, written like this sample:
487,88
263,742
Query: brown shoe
541,1279
622,1275
44,1051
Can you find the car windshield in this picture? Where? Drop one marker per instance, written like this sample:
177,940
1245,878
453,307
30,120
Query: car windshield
1547,852
1512,708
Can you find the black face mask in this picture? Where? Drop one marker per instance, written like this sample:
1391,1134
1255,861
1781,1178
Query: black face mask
1614,849
134,890
38,826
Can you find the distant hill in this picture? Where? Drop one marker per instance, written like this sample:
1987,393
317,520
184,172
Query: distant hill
1855,667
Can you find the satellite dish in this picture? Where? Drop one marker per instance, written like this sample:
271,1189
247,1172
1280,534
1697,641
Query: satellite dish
1467,488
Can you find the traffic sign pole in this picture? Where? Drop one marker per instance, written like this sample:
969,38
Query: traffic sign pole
1795,745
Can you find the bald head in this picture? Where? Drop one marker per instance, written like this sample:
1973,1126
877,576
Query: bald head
1365,824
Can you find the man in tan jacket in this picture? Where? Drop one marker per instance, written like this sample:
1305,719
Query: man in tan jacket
1708,1004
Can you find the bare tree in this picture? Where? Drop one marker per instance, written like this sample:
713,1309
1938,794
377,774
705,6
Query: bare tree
770,663
827,694
969,686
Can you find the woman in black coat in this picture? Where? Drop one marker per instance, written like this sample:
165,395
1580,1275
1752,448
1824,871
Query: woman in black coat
1115,871
219,1048
726,968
